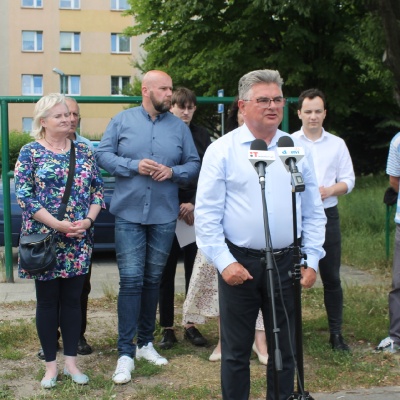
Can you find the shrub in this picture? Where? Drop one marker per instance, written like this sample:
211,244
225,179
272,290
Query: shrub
16,141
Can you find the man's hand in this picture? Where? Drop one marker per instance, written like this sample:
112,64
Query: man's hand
235,274
186,213
308,277
148,167
325,192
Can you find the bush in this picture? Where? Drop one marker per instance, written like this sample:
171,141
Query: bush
16,141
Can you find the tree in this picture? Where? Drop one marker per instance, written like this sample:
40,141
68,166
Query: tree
326,44
390,13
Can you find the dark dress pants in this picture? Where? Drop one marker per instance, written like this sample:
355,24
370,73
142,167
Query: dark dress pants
329,269
167,285
239,307
85,299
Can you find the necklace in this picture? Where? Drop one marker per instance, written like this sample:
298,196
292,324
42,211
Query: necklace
57,148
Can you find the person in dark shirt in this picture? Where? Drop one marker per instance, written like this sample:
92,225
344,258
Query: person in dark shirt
183,106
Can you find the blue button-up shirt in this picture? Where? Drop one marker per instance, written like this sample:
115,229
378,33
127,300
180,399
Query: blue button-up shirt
393,168
132,136
229,203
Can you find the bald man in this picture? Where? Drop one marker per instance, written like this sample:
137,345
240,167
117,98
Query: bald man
151,153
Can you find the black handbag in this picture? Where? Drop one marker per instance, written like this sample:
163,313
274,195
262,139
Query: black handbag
37,252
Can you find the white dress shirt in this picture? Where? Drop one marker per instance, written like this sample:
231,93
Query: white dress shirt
229,203
332,161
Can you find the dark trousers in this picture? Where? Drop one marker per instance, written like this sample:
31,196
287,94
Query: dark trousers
84,300
84,303
329,269
239,306
167,285
58,304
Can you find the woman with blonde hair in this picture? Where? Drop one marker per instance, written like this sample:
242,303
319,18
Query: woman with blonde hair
40,179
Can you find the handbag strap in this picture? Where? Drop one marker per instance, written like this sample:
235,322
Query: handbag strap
67,192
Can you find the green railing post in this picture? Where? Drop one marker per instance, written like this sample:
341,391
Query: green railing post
6,192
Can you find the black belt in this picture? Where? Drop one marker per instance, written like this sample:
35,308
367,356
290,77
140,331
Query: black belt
278,253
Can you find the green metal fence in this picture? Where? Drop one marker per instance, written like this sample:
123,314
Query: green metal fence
7,174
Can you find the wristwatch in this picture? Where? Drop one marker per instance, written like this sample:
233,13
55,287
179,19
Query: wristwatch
91,222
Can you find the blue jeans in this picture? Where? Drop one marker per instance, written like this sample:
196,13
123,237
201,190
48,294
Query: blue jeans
142,252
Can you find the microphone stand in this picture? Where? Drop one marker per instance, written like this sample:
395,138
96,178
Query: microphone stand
268,263
297,256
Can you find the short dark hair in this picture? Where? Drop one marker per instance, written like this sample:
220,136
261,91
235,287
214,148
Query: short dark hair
183,96
231,121
310,94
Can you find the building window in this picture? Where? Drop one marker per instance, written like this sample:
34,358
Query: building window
27,123
119,4
32,41
70,4
73,85
32,3
120,43
32,85
118,83
70,41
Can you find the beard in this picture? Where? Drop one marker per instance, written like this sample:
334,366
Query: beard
160,106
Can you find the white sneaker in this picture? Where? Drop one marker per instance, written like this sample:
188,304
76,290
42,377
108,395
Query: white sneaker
123,371
150,354
387,345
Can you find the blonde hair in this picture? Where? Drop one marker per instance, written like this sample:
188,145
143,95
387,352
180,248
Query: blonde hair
42,108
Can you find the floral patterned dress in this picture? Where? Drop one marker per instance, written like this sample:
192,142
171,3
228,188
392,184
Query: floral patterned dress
202,297
40,179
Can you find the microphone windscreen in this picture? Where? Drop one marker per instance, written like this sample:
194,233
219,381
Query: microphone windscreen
258,144
285,141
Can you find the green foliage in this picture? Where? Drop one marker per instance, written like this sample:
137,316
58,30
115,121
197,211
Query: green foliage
16,141
334,45
362,218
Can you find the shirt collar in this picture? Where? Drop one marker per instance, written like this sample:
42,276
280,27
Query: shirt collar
323,136
245,136
148,116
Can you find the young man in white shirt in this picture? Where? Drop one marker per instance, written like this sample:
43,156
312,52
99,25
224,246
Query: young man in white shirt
335,176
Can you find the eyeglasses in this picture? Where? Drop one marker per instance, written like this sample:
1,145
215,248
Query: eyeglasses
265,102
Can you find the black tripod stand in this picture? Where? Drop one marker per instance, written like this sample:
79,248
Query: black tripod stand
297,256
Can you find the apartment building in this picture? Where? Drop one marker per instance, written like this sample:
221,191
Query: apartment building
70,46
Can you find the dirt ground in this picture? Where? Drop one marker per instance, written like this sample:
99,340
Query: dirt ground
20,378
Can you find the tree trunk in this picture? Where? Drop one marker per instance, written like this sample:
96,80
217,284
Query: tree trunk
390,14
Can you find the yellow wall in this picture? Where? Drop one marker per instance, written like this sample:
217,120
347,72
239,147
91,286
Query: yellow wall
95,64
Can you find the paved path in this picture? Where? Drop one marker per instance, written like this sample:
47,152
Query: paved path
105,280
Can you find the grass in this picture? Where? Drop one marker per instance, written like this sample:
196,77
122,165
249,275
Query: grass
190,375
363,216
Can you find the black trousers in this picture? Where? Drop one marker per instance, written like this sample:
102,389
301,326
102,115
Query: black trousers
84,303
239,306
58,304
329,269
167,285
84,300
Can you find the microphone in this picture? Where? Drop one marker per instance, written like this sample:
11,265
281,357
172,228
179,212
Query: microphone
289,156
260,157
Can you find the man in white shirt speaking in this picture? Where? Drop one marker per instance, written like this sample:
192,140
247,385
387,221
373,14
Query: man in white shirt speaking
230,231
335,176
